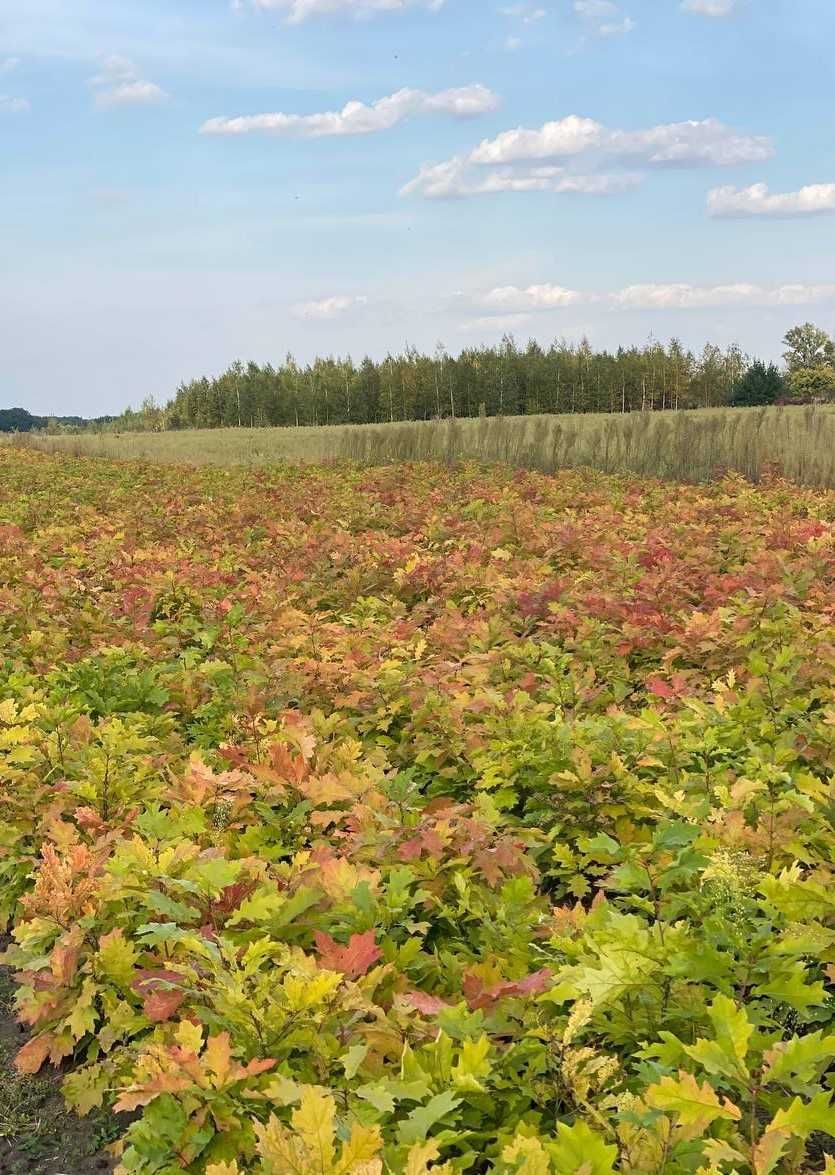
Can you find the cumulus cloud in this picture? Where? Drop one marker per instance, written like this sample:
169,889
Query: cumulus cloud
757,200
327,308
710,7
538,160
10,105
120,84
657,296
541,297
706,142
357,118
297,11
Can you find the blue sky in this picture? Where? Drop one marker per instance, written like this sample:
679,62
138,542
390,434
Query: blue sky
184,182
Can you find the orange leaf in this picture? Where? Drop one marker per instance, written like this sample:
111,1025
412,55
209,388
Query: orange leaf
352,960
33,1054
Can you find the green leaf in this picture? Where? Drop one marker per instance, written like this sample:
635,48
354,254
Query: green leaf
472,1065
694,1105
725,1055
260,907
791,988
804,1118
378,1096
352,1060
214,874
580,1151
423,1118
800,1061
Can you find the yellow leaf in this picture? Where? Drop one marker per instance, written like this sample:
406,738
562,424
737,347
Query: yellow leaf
218,1058
535,1160
360,1151
282,1154
419,1158
313,1121
189,1036
696,1106
117,957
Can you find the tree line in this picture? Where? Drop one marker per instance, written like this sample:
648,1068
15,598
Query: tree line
502,380
507,379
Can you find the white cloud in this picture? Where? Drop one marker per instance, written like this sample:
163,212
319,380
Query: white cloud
511,44
9,105
517,158
9,64
527,13
456,179
657,296
494,322
710,7
357,118
757,200
708,142
327,308
680,296
120,84
542,297
298,11
603,18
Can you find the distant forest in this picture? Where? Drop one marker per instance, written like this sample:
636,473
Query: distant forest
505,380
19,420
496,381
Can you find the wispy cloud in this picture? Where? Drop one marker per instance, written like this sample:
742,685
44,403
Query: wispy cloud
537,160
681,296
494,322
120,84
357,118
812,200
10,105
715,8
8,65
457,179
603,18
328,308
526,13
655,296
297,11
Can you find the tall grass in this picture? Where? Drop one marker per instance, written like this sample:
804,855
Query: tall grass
686,446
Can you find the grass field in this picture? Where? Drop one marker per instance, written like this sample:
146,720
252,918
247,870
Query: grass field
422,819
689,446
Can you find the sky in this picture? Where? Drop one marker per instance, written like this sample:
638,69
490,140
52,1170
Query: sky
188,182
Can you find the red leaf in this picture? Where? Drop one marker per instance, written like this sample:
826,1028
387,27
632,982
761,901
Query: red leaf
352,960
161,1005
659,687
479,997
428,1005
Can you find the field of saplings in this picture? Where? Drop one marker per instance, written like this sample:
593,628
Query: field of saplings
422,819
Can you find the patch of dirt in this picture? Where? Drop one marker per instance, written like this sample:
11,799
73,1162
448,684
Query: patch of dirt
38,1135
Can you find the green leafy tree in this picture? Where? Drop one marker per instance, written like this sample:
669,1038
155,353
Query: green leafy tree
813,383
808,346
